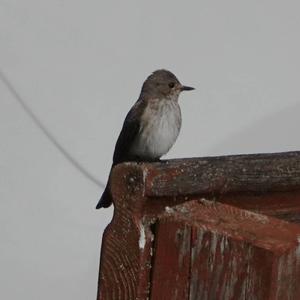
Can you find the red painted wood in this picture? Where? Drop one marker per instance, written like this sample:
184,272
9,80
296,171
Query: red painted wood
126,246
171,264
267,184
282,205
235,254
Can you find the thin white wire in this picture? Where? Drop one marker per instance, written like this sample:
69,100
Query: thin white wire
46,132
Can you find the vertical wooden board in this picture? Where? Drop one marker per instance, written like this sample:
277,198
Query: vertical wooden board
119,266
171,266
125,262
223,268
286,276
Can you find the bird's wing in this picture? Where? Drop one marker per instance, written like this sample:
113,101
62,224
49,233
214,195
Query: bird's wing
130,129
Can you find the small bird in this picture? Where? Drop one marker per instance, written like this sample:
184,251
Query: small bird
152,125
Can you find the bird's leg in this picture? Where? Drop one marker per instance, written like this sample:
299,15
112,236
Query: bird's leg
140,160
158,160
163,161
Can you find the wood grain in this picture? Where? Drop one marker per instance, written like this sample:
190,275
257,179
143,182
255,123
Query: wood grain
224,174
234,254
171,263
134,257
126,246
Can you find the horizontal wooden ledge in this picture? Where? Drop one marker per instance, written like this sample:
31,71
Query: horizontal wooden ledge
271,172
260,230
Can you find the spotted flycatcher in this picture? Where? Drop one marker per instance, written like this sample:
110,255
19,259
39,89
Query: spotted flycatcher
152,125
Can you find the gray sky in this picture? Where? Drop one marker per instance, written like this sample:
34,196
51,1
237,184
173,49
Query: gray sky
80,66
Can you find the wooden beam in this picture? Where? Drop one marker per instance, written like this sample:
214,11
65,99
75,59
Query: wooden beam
224,174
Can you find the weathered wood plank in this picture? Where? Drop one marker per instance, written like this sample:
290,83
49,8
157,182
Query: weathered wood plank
171,264
282,205
270,183
224,174
236,254
126,246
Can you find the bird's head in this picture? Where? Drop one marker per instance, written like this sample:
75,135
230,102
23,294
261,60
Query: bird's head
163,84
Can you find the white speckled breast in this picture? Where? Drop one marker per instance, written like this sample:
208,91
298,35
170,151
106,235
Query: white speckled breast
160,126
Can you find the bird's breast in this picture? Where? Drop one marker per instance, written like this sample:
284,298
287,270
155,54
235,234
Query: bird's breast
160,126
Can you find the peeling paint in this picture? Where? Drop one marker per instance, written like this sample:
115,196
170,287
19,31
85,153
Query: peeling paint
169,209
212,251
142,239
182,239
297,252
259,217
145,173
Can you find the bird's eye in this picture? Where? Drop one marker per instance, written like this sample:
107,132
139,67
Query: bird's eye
171,85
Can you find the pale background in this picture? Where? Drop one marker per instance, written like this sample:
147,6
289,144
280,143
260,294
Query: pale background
79,65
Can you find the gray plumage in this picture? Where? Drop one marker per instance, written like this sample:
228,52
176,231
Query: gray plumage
152,125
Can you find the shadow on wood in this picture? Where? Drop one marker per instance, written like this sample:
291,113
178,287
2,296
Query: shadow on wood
204,228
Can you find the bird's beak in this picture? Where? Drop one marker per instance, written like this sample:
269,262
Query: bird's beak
186,88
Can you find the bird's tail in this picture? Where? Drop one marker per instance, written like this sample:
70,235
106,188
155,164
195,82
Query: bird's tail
105,200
